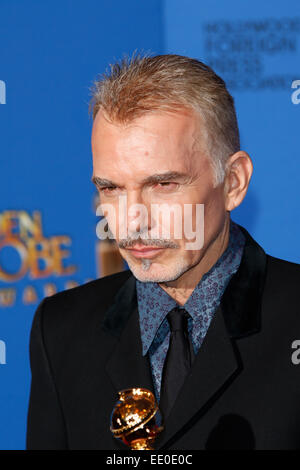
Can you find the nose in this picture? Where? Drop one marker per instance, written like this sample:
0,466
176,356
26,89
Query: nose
137,214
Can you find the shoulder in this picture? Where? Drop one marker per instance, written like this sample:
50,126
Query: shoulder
91,293
282,272
80,306
282,287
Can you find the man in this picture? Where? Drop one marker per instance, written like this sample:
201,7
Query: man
204,318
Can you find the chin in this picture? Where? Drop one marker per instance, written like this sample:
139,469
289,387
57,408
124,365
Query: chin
157,272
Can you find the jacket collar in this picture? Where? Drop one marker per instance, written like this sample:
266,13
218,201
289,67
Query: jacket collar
241,301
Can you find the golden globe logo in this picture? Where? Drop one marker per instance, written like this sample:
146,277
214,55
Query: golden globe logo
23,233
38,256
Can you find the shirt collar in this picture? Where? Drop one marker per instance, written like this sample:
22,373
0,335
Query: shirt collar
154,303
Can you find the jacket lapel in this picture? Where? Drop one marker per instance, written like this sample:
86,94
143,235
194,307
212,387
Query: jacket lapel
127,367
241,301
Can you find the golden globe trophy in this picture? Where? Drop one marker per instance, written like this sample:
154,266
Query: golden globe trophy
135,419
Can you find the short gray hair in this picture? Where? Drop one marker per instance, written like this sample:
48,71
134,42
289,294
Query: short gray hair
141,84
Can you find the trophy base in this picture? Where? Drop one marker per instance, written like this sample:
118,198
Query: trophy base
142,444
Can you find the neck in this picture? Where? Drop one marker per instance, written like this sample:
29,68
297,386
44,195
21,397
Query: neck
181,289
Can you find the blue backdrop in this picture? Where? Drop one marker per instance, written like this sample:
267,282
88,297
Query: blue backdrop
255,47
50,54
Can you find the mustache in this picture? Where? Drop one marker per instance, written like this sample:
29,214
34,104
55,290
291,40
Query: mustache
159,242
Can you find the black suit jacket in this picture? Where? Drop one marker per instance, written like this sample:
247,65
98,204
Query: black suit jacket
243,391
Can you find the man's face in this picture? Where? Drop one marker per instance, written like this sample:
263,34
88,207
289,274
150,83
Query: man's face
157,160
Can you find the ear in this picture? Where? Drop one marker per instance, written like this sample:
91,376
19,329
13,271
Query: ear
239,169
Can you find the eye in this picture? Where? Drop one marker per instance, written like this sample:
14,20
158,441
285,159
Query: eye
166,186
107,190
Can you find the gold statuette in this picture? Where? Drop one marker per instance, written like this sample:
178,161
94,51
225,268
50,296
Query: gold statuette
135,417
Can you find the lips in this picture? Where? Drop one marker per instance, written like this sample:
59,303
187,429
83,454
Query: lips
141,251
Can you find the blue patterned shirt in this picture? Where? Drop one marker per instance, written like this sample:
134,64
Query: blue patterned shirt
154,304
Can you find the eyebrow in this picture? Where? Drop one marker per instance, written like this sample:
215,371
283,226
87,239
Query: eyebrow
167,176
156,178
102,182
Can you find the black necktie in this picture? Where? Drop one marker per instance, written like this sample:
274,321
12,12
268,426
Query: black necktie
178,359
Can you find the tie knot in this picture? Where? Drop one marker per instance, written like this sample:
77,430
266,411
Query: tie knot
177,319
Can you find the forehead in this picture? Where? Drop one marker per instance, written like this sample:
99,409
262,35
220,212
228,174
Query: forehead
164,141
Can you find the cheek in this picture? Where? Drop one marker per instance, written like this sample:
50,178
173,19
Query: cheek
216,204
214,216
